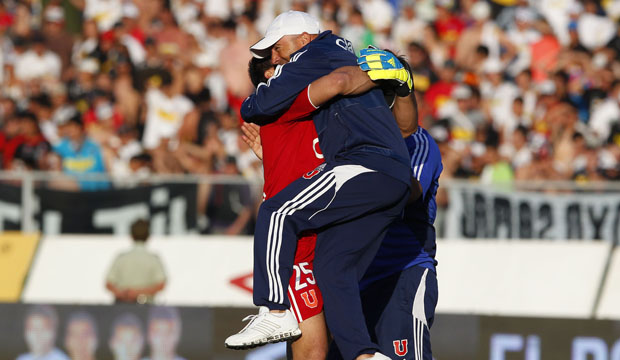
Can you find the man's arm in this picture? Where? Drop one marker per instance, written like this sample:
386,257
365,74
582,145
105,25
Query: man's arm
271,99
406,113
347,80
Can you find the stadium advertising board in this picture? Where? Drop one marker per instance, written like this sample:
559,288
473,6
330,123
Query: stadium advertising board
484,213
144,332
170,207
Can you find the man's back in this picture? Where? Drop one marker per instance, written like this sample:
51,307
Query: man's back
411,241
290,147
137,268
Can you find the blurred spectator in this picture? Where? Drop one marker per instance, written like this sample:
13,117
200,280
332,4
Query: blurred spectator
462,114
105,12
127,337
606,113
408,28
483,32
38,62
497,94
594,29
40,326
229,208
81,336
233,63
164,333
165,111
80,155
57,39
137,275
32,148
496,170
119,152
448,25
517,150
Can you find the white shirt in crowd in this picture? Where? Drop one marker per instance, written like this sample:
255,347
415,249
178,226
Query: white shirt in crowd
164,116
602,118
105,12
30,65
500,101
556,12
518,158
595,31
408,30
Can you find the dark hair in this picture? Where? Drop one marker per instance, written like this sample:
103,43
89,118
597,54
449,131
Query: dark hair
27,116
523,130
164,313
42,100
76,119
257,68
45,311
129,320
145,157
492,138
140,230
83,316
482,50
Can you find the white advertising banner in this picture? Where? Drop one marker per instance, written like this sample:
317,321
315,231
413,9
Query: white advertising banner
201,271
476,212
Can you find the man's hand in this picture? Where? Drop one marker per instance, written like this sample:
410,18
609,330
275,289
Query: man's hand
384,66
251,136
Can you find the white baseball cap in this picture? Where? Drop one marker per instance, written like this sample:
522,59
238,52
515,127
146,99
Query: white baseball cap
461,92
54,14
288,23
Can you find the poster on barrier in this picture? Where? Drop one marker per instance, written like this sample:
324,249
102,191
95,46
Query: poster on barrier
121,332
475,212
139,332
171,208
10,207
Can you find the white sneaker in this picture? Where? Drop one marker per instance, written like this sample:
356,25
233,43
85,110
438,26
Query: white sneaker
265,328
379,356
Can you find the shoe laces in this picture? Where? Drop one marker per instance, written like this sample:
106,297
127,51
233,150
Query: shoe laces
251,319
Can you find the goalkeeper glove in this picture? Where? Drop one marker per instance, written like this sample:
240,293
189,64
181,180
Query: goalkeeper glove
384,66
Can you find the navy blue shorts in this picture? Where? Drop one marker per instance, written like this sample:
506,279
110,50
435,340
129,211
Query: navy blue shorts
399,312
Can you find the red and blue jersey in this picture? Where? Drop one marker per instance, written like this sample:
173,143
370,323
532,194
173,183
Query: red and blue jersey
410,241
290,146
359,130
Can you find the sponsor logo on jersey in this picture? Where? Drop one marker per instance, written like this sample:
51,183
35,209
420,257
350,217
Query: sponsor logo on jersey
313,173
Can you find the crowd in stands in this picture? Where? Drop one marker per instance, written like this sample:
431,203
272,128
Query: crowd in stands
510,89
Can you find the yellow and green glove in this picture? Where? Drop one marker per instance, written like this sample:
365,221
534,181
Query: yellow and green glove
385,67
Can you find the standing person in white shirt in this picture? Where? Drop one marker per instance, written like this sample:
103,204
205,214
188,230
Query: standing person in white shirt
40,326
165,111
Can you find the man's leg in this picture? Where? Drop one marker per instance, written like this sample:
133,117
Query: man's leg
313,343
330,195
400,310
343,254
307,305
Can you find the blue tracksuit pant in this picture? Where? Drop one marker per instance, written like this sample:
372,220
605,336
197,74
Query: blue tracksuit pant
351,207
399,311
